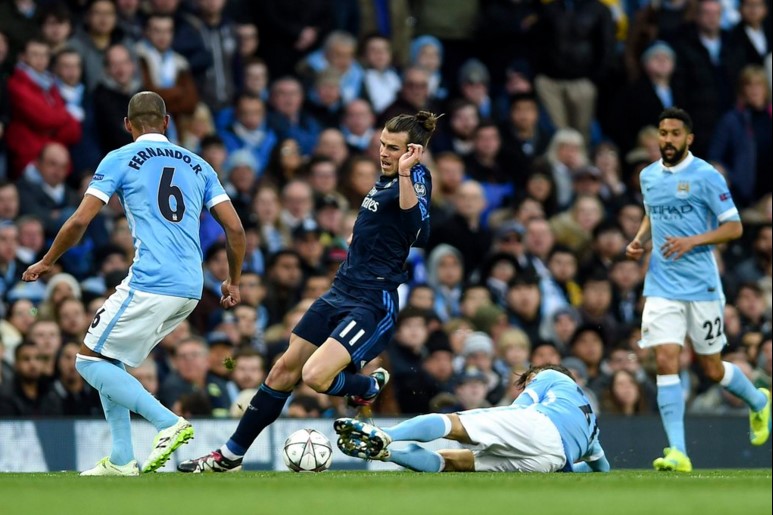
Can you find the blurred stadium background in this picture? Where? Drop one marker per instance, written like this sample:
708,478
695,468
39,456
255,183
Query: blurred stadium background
535,172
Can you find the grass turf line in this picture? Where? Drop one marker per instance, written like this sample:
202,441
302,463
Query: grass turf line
704,492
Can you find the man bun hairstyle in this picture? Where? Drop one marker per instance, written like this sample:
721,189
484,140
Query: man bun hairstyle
419,126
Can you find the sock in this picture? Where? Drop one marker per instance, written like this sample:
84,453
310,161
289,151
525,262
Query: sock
423,428
119,422
346,383
263,410
739,385
122,388
416,457
600,465
671,406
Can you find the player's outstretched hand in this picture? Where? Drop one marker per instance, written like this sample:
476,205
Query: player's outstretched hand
410,158
231,296
634,250
34,272
677,247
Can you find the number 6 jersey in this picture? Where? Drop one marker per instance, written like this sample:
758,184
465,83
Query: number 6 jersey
162,188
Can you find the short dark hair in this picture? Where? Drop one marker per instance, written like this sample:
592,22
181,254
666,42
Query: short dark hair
64,51
523,97
213,250
211,140
273,259
476,285
419,126
57,10
676,113
25,344
411,312
561,249
147,110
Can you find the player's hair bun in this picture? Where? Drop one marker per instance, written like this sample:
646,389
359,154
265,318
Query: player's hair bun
427,120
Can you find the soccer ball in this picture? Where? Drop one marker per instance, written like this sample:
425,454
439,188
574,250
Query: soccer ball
307,450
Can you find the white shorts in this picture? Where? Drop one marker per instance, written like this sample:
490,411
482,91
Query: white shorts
130,323
509,439
670,321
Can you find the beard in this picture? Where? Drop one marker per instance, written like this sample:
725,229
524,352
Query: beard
678,154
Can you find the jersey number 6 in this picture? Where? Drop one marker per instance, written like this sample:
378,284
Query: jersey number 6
166,191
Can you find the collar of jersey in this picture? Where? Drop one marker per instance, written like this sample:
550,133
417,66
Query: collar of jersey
152,136
681,166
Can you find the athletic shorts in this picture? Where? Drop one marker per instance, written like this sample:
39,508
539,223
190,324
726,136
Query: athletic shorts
510,439
131,322
361,320
670,321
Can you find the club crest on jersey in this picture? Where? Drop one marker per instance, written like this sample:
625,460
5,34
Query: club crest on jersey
420,189
683,190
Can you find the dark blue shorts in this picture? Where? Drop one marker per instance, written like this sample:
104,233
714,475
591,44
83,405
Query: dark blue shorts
362,320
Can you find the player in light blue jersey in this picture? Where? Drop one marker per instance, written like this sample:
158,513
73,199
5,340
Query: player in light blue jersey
163,189
688,210
550,427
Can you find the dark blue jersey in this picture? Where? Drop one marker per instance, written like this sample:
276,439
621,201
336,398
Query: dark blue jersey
383,233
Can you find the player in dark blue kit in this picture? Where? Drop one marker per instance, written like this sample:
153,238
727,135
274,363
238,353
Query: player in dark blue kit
352,323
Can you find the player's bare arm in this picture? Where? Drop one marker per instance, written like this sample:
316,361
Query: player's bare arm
635,249
678,247
70,234
226,216
408,198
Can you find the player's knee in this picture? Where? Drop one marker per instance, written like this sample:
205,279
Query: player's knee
283,375
316,378
714,372
667,363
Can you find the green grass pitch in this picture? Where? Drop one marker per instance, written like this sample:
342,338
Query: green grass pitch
704,492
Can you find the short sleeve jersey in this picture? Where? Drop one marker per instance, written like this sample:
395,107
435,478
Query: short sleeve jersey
685,200
163,189
384,233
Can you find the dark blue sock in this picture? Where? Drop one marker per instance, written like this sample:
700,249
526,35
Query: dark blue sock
346,383
264,408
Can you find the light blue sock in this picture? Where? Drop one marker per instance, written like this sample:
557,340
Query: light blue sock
671,406
416,457
423,428
739,385
122,388
119,421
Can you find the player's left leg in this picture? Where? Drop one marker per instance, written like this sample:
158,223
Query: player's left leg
358,338
121,461
325,372
119,421
706,332
417,458
734,381
125,330
368,441
113,382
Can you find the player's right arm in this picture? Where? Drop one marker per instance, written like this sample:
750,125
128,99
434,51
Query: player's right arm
70,234
235,244
635,249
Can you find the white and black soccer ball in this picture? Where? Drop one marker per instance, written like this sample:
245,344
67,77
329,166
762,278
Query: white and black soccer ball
307,450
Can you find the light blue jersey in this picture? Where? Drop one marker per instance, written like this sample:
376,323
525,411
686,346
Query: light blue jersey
558,397
163,188
688,199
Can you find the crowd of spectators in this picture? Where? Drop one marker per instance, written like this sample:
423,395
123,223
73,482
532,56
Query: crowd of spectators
549,112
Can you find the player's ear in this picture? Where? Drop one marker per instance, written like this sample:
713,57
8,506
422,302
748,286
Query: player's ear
690,138
166,122
127,125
